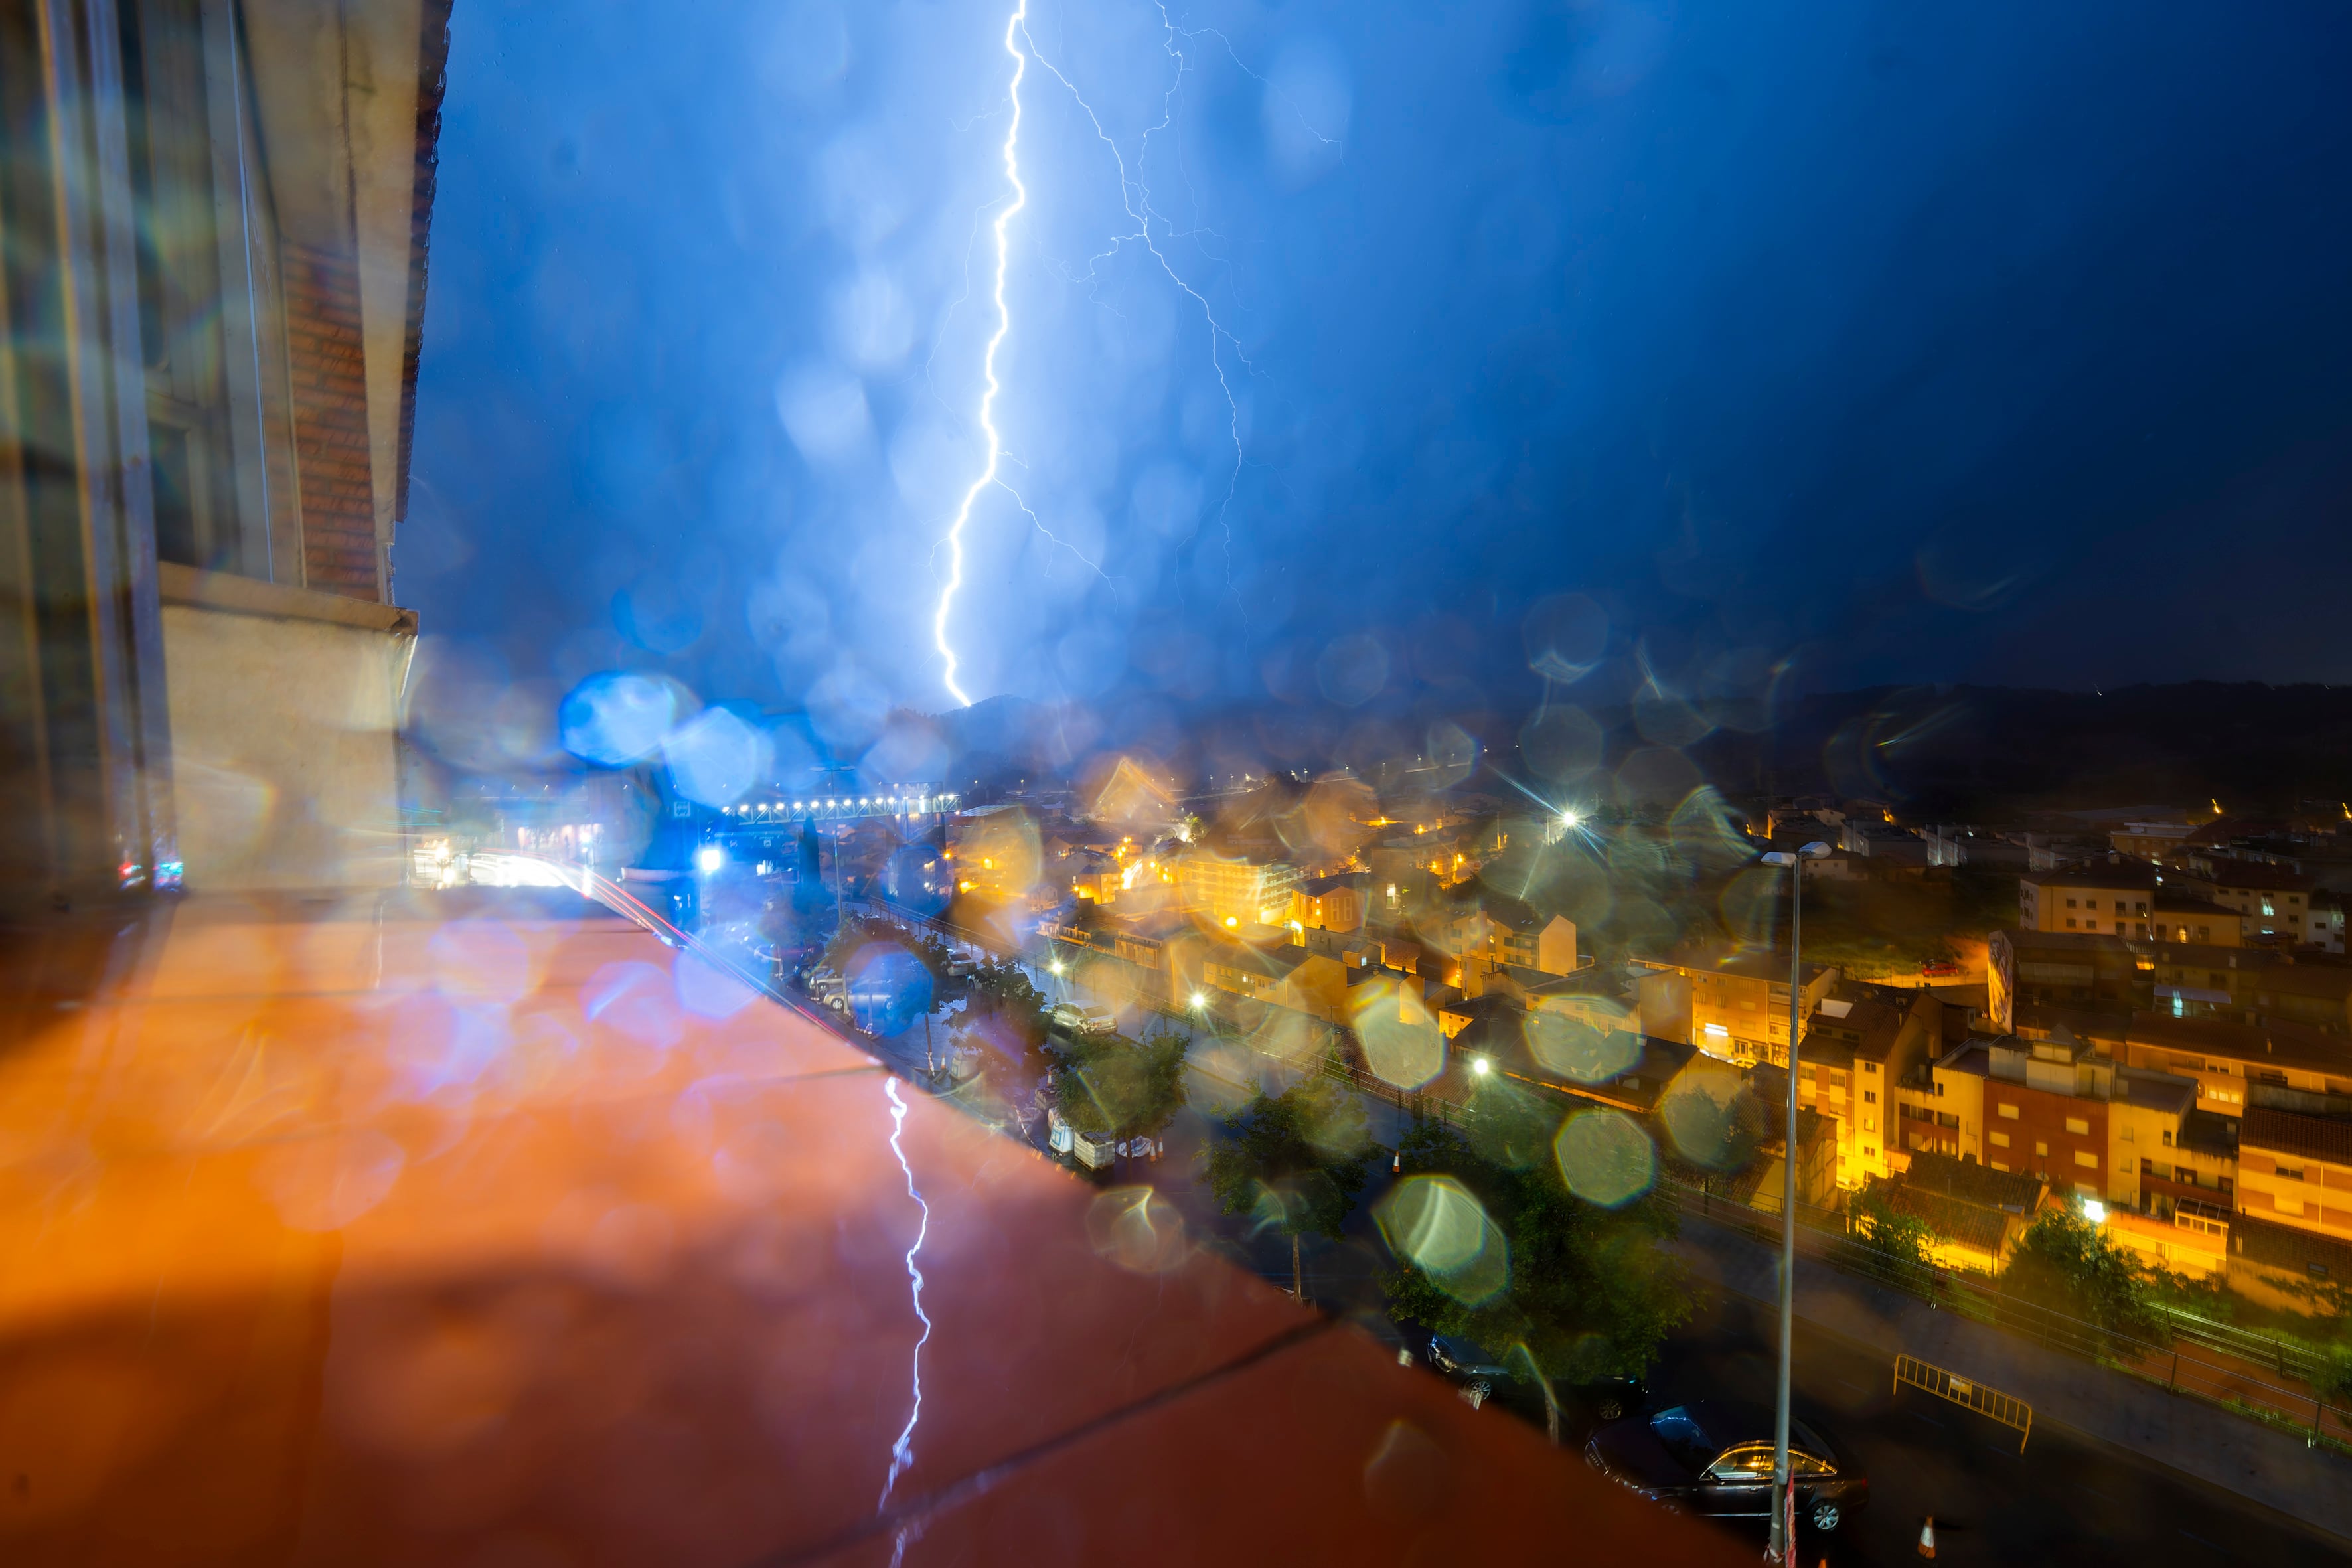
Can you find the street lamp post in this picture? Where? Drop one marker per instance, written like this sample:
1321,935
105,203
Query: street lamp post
1784,1492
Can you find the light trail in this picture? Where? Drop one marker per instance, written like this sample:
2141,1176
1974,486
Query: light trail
1014,30
902,1452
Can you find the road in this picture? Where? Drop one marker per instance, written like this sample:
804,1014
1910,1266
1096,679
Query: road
2067,1498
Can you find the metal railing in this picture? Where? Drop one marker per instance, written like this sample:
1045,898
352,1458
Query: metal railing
1966,1393
2196,1358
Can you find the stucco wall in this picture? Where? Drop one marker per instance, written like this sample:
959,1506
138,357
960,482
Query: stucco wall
285,754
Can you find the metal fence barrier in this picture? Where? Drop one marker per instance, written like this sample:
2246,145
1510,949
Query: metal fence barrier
2005,1408
2198,1358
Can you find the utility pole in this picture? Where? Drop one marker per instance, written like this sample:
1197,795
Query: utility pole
1784,1492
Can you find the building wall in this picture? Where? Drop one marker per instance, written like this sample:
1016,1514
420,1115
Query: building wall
1743,1018
2196,1249
2202,928
2274,912
2135,1132
1339,910
1874,1091
2295,1190
326,366
2223,1077
1555,947
2062,1137
2052,903
285,710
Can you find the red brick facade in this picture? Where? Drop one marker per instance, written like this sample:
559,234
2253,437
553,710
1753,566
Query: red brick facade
328,367
2040,1125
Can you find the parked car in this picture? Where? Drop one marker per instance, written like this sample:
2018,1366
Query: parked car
1073,1020
1714,1458
1482,1376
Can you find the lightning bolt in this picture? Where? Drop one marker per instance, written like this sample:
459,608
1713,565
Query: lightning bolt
1015,29
1149,227
902,1452
1135,198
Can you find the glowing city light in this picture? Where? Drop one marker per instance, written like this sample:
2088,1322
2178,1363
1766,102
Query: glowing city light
902,1453
988,473
710,857
1481,1066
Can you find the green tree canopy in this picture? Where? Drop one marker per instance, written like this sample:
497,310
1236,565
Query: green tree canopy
1589,1292
1296,1160
1906,1237
1107,1085
2067,1264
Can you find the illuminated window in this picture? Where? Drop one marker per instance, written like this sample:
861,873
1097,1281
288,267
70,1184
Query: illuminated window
2008,1110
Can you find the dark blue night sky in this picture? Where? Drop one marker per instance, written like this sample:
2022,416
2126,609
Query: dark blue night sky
2000,342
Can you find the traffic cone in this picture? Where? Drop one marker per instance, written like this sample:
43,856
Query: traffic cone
1928,1537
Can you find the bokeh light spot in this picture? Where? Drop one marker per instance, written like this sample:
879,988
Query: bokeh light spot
715,757
617,718
325,1184
1137,1229
1605,1157
889,988
1581,1049
1401,1044
1439,1227
1710,1117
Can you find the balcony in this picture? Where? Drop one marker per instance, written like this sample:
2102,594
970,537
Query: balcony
344,1231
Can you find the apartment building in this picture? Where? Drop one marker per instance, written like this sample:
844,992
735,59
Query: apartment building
2081,1123
2063,969
1735,1007
1236,892
1334,903
2276,900
2185,917
1855,1049
2112,900
2324,928
2295,1170
1282,975
2231,1061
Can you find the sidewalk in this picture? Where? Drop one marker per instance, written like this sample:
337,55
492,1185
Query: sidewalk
2198,1439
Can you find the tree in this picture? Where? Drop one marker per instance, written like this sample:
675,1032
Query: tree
2066,1263
1877,1226
1111,1087
1002,989
1294,1160
1589,1293
1005,1009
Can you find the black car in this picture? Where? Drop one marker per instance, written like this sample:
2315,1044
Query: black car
1715,1458
1482,1376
